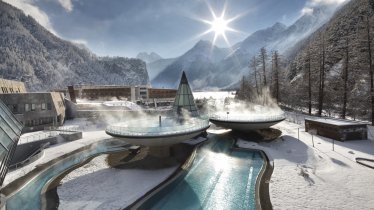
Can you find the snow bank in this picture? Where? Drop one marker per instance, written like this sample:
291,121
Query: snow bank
56,151
317,178
96,186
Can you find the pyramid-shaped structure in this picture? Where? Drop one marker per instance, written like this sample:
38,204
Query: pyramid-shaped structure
184,99
10,132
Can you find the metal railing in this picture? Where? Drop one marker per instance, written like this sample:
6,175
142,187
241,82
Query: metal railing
30,158
186,126
63,128
37,136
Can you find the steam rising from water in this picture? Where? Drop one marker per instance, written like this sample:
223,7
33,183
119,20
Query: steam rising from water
259,107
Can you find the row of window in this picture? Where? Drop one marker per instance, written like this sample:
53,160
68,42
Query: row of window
11,90
19,108
40,121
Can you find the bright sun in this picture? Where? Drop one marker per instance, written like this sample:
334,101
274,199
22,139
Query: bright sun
219,25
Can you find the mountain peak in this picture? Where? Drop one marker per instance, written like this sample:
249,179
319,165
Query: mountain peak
279,25
148,57
203,43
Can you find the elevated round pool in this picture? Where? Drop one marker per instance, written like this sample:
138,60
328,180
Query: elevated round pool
246,122
156,132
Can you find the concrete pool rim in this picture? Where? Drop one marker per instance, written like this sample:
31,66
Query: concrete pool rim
262,197
213,120
157,135
18,184
176,174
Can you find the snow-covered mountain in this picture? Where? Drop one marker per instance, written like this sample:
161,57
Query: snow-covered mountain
148,58
224,71
32,54
198,63
156,67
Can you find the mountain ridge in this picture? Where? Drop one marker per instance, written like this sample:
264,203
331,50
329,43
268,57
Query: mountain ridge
225,71
43,61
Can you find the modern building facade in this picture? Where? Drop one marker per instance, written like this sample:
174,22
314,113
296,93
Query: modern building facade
36,110
157,93
110,92
12,86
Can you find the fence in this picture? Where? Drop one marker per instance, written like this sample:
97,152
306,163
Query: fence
34,156
37,136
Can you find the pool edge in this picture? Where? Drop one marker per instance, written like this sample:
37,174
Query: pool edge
262,194
176,174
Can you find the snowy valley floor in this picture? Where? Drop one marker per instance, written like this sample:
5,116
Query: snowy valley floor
317,178
304,177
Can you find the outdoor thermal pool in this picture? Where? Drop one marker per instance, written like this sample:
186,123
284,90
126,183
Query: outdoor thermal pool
219,178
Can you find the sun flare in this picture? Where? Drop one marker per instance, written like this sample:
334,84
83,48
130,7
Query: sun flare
219,25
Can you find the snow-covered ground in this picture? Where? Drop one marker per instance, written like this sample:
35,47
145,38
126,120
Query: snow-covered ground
96,186
219,95
128,104
36,136
317,178
56,151
304,177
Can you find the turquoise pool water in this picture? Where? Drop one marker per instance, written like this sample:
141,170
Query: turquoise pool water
219,178
29,197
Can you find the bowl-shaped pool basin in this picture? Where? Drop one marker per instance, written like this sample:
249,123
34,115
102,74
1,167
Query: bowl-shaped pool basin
152,132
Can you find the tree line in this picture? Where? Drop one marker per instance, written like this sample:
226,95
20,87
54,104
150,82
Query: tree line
331,76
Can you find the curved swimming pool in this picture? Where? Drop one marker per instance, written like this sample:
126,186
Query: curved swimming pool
219,178
29,196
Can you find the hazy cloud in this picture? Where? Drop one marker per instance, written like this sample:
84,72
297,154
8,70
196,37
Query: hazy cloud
310,4
28,7
79,41
307,11
325,2
66,4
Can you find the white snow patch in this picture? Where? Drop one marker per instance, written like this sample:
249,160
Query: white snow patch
317,178
96,186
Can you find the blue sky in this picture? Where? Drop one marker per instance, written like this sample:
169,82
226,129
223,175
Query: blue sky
167,27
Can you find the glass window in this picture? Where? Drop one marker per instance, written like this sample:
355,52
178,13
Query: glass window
13,108
27,107
33,107
49,106
44,106
9,122
6,134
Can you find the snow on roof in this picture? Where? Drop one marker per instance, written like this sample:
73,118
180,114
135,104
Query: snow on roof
337,122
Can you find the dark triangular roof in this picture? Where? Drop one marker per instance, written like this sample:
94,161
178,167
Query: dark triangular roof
184,98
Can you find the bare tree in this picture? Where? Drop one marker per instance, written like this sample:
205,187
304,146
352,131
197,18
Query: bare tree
345,80
322,77
263,58
309,69
253,64
371,70
275,68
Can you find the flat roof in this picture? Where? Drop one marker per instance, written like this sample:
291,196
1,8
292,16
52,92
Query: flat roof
337,122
